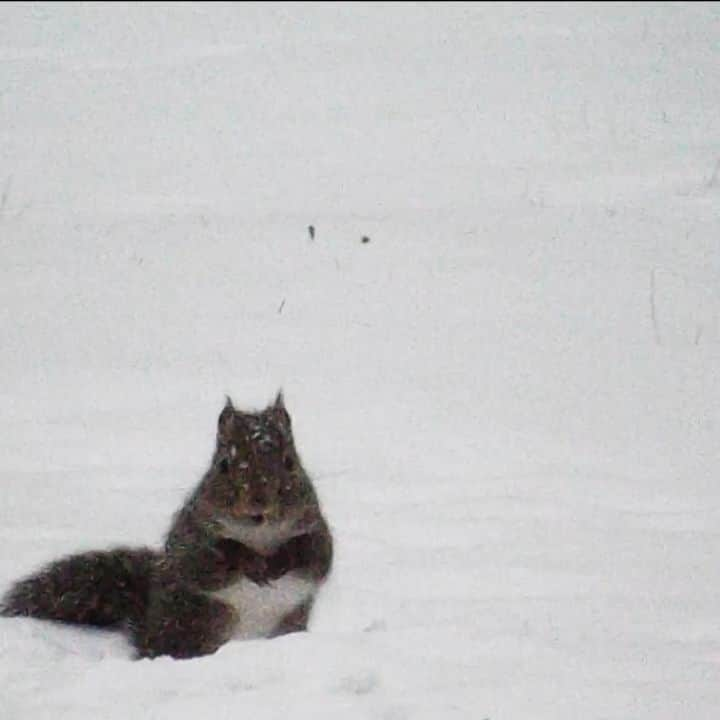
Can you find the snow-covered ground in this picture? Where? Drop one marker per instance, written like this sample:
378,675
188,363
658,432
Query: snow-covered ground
508,396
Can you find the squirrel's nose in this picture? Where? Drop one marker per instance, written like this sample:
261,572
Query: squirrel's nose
258,501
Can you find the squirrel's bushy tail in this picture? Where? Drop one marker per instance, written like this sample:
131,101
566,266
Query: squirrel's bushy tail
101,588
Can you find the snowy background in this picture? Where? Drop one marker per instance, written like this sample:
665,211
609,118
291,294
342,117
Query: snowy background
508,397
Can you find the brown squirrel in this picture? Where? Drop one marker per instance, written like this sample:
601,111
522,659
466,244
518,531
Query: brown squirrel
244,557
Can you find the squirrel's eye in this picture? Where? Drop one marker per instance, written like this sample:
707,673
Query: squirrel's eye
224,465
289,463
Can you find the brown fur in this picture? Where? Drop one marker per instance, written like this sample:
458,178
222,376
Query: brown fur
254,515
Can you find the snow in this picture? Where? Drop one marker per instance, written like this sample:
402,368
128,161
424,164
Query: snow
507,397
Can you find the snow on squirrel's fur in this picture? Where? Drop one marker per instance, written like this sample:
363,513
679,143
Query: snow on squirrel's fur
507,400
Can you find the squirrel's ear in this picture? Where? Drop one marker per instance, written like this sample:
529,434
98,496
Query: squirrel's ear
226,419
281,415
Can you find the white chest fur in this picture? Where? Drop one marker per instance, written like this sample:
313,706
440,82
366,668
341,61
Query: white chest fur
261,607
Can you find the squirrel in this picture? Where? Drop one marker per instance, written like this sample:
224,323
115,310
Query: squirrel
244,557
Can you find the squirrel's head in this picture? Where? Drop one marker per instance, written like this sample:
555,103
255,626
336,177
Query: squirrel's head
257,485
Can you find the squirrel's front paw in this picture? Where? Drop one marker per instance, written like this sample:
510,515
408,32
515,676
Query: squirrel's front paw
255,568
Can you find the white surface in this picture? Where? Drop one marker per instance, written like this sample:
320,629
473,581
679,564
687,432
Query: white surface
508,397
